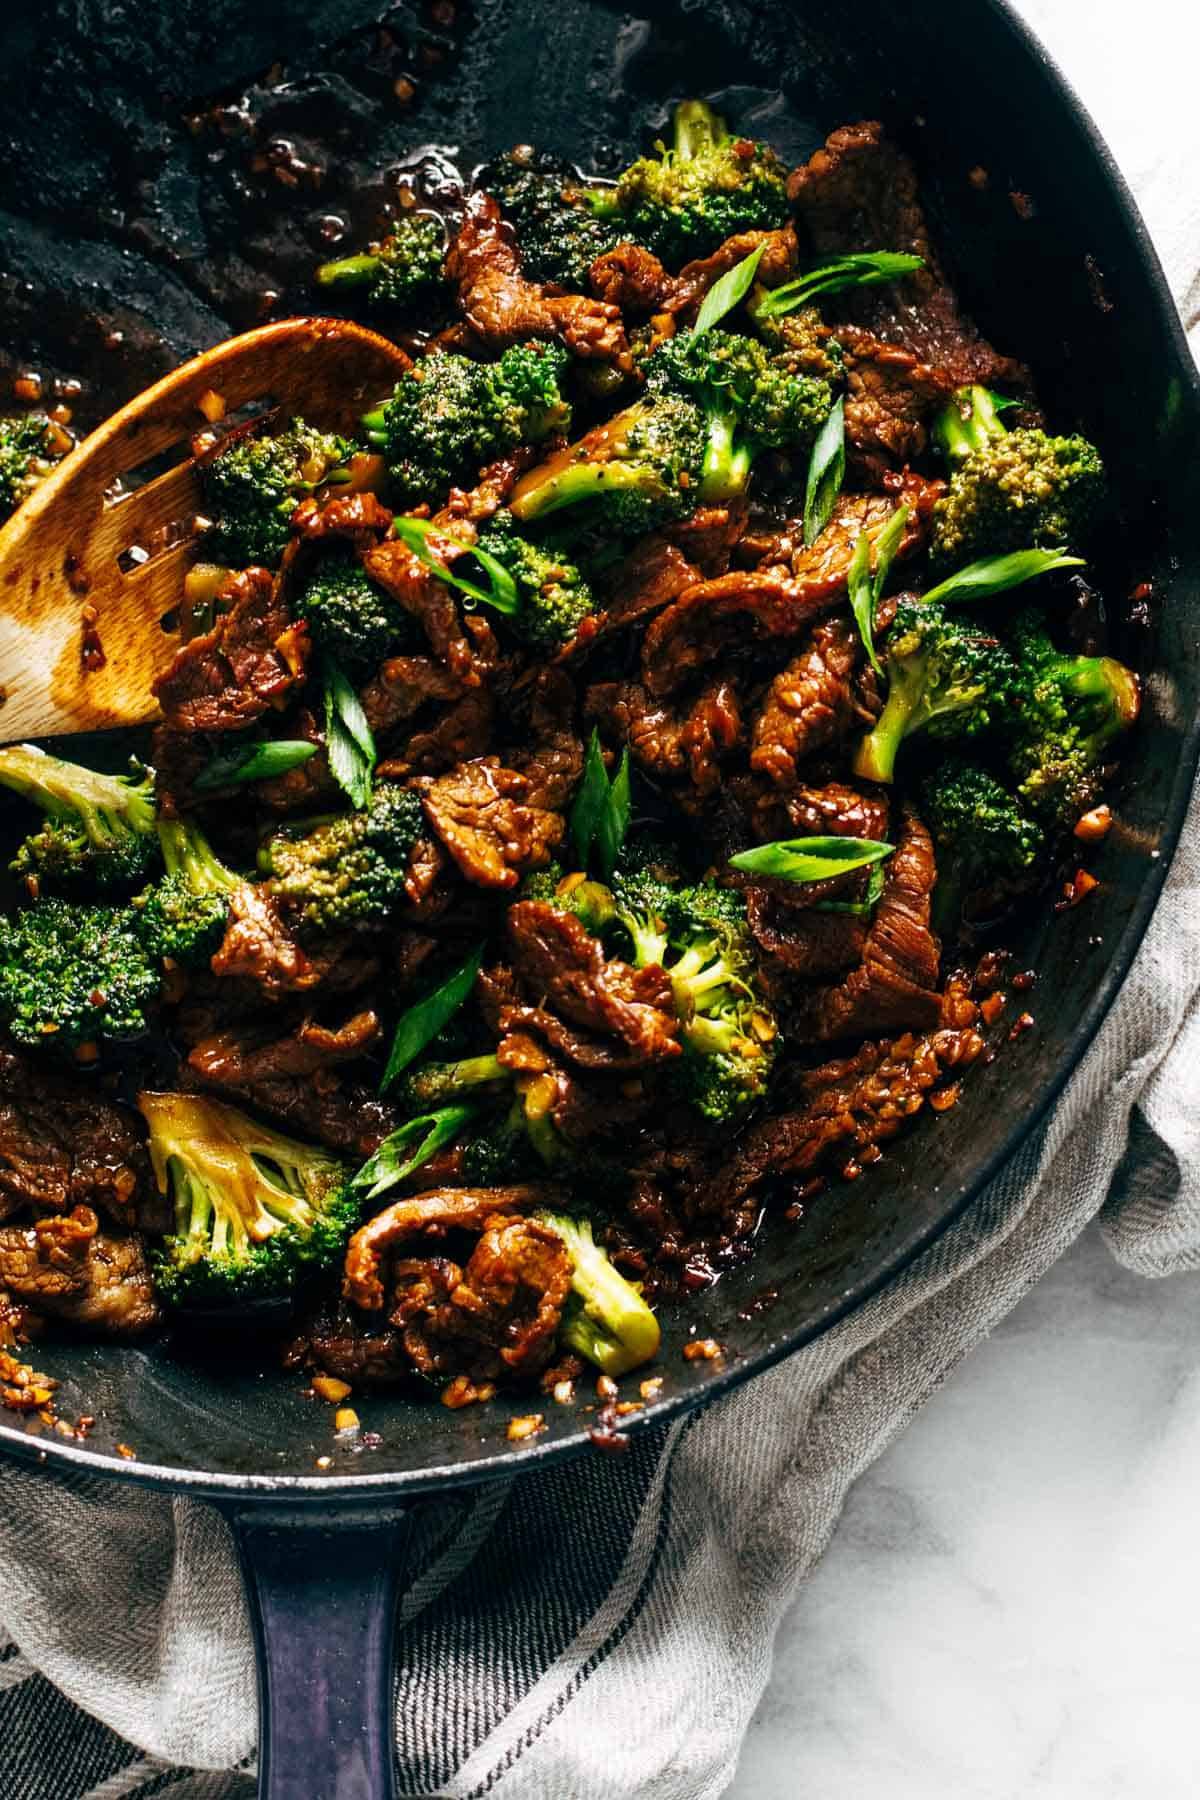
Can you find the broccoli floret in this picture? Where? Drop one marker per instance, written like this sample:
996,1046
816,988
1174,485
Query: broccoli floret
546,203
1010,490
705,188
984,840
449,415
344,873
400,273
945,677
184,915
98,831
640,469
590,901
799,342
73,975
700,936
555,595
352,619
253,487
750,404
436,1084
29,449
255,1211
1066,711
606,1321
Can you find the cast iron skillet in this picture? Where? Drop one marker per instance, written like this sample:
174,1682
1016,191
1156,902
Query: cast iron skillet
1052,257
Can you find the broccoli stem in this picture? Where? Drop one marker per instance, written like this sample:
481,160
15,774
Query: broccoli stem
438,1083
875,758
726,462
968,422
103,804
569,483
187,852
348,271
697,129
612,1326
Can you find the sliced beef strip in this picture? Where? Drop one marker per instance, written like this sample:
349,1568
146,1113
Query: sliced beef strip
480,814
503,1314
248,664
809,704
708,537
298,1079
432,1213
502,307
338,1341
68,1269
711,731
361,519
635,281
553,761
401,687
258,947
715,618
653,729
859,192
801,944
890,396
850,1106
562,967
463,731
310,786
895,985
417,589
63,1146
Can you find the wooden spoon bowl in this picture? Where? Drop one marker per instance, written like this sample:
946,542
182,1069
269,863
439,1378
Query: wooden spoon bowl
92,566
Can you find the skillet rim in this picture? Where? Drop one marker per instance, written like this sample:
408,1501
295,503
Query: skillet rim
371,1489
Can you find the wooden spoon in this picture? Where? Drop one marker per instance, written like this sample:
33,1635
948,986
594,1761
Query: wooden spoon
90,537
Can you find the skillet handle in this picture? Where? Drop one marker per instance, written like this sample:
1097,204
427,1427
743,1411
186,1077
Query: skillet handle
322,1587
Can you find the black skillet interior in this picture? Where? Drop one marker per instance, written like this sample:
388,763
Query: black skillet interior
129,238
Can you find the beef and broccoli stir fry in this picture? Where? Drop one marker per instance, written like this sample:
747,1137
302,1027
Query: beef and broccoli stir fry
574,793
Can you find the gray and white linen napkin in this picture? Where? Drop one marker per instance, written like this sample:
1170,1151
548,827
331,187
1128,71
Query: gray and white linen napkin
606,1630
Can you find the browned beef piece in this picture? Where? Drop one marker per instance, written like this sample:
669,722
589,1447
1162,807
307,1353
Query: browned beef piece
635,281
338,1341
838,810
427,882
562,967
504,1313
463,731
68,1269
401,687
479,812
707,538
249,663
310,786
712,729
801,943
529,1029
361,518
809,704
468,507
895,985
655,573
859,192
258,947
717,617
632,279
890,395
62,1145
851,1106
777,264
298,1079
653,729
417,589
502,308
553,762
436,1212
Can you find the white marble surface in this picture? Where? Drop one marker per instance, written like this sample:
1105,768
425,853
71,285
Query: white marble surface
1011,1604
